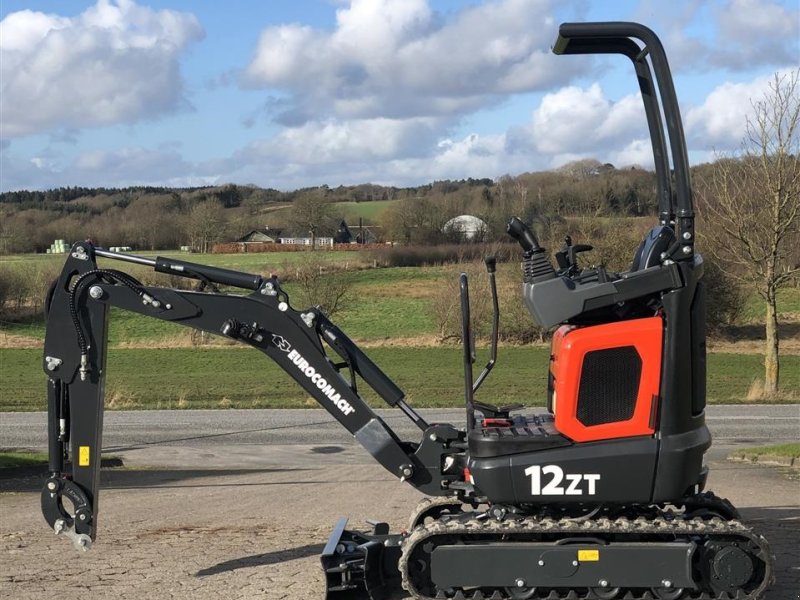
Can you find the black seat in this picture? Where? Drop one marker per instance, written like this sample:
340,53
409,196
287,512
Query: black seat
648,254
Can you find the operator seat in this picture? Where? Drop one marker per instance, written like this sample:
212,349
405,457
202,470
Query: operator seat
648,254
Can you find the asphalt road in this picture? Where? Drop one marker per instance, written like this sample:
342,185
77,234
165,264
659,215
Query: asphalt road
253,438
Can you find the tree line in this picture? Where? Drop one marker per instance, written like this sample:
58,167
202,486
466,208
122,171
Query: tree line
154,218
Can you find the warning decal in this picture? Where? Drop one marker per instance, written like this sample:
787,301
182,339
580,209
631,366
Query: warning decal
83,456
588,555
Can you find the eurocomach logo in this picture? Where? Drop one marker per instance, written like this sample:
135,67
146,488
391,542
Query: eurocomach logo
321,383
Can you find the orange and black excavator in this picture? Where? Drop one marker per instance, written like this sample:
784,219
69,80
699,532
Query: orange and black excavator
600,496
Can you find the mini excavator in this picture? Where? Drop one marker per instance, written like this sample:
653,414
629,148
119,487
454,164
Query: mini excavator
599,497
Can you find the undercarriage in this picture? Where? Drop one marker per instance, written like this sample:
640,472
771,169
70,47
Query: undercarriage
698,550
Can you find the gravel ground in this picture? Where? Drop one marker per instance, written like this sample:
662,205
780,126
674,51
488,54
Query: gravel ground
256,534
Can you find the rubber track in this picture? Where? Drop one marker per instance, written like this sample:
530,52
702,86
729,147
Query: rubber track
641,525
428,504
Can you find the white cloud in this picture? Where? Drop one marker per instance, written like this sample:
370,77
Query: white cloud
638,152
720,122
130,165
755,21
756,32
744,34
343,142
577,120
400,59
113,63
470,156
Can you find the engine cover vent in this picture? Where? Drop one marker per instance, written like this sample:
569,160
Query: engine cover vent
609,385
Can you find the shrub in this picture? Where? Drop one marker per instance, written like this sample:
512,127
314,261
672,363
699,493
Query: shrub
317,283
23,288
516,324
446,303
725,298
428,256
6,287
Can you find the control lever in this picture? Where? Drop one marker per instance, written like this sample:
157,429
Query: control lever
537,267
522,233
491,268
567,257
469,351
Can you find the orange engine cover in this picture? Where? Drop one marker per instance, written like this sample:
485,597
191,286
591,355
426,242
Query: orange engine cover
606,378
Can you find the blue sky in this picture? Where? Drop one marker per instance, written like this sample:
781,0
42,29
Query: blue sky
287,94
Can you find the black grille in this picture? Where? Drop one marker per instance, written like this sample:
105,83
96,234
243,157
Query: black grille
609,385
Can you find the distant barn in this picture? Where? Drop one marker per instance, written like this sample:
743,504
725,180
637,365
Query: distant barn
260,236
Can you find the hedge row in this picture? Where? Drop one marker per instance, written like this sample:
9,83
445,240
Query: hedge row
252,247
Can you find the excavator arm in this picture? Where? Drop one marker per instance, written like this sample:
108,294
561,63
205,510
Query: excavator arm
76,342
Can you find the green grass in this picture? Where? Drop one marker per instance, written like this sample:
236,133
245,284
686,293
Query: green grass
372,318
385,303
369,211
792,450
248,262
731,375
242,378
754,308
9,460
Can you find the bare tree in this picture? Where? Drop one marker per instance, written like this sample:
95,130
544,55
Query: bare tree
315,283
205,224
752,206
312,212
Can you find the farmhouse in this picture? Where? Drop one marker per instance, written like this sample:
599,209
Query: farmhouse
260,236
303,239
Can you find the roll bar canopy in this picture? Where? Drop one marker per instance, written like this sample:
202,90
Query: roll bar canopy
618,37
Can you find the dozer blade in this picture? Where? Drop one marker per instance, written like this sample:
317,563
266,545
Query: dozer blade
361,566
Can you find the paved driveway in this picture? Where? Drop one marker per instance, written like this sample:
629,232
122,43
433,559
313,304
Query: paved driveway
255,533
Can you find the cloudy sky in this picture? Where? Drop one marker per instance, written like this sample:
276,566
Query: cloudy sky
290,93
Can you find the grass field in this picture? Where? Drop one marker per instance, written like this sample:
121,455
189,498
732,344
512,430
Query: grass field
254,262
369,211
791,450
788,306
386,305
11,460
242,378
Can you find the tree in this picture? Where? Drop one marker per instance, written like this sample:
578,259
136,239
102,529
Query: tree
752,206
315,283
205,224
312,212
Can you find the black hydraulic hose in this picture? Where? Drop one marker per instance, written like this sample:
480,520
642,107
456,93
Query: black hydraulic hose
119,276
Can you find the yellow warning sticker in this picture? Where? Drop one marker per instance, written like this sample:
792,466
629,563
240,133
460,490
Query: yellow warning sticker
83,456
588,555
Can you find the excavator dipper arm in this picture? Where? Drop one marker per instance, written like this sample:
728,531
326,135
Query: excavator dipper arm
75,362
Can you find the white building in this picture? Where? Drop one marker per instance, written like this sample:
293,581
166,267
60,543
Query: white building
468,227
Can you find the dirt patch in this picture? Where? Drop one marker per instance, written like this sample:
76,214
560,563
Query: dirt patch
789,345
766,459
9,340
416,289
417,341
186,339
